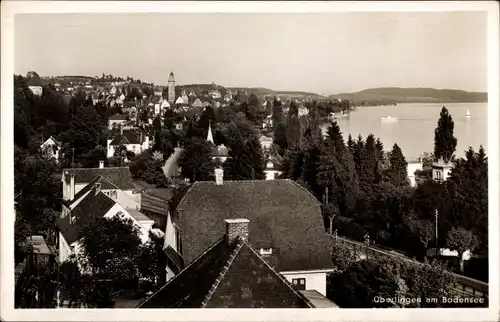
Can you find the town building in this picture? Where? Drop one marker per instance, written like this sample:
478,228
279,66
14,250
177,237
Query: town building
171,88
272,168
35,85
285,220
117,120
134,140
52,147
266,142
93,202
441,170
230,273
219,152
414,166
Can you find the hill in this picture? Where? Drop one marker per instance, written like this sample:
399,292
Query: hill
390,95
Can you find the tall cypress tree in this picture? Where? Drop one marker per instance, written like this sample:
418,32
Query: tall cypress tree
444,141
397,174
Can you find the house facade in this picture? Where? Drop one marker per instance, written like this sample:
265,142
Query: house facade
133,139
52,147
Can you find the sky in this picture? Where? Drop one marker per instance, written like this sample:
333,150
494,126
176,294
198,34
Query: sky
326,53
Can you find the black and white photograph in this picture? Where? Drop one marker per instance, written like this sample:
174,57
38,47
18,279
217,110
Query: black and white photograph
233,159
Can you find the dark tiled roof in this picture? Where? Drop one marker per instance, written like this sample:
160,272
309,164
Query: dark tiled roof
156,200
34,81
282,215
92,205
227,276
129,136
115,177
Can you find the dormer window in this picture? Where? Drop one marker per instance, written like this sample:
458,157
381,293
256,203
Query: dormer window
266,251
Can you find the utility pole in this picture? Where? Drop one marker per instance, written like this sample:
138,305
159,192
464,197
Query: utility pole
437,215
73,158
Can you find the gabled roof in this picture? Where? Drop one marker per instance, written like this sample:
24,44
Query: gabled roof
228,275
129,136
54,140
119,177
283,215
92,205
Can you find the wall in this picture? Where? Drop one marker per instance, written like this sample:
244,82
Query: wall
37,90
64,249
314,280
143,231
272,174
412,167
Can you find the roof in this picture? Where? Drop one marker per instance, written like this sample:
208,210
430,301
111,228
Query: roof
92,205
283,215
116,177
39,245
318,300
34,81
129,136
119,117
220,151
228,275
139,216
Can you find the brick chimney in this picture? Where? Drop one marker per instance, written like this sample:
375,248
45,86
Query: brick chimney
236,228
219,176
101,164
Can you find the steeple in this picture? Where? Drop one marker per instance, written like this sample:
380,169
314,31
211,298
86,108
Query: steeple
209,135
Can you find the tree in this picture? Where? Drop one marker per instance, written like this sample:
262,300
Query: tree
461,240
152,262
196,162
426,281
397,173
364,281
342,256
444,141
424,230
280,137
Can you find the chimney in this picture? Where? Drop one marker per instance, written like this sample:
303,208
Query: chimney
101,164
219,176
72,187
236,228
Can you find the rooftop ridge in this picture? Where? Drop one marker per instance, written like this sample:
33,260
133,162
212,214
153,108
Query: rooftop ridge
219,278
281,277
191,264
95,168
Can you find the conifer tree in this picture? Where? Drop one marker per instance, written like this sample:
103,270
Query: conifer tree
444,141
397,173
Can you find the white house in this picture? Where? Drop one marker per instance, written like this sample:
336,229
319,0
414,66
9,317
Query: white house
272,171
133,139
413,166
303,111
441,170
95,202
117,120
35,85
52,148
266,142
284,221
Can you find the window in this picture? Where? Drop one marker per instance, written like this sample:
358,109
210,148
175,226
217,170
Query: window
266,251
299,283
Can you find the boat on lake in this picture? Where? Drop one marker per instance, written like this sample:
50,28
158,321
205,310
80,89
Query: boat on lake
389,119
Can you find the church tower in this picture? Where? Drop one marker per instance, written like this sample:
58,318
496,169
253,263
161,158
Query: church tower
171,89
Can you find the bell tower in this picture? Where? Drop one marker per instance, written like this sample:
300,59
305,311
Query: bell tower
171,88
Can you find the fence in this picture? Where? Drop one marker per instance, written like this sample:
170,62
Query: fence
465,285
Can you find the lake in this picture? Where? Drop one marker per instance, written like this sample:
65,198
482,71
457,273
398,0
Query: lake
414,131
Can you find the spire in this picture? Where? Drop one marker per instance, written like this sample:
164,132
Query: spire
209,136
